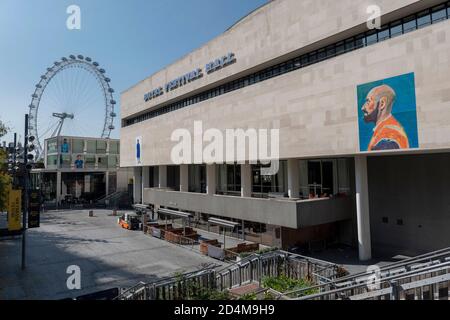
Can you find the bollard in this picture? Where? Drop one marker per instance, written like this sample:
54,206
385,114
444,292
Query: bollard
91,213
114,213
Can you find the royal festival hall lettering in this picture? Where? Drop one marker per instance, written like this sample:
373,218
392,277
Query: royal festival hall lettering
210,67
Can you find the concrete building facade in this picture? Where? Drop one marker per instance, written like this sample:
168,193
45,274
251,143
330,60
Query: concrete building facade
363,118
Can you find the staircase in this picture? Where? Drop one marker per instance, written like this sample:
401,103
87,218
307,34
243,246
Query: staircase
425,277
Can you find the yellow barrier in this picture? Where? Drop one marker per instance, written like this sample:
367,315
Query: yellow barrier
14,209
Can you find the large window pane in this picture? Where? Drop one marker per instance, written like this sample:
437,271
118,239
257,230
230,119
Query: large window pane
52,146
360,41
423,19
396,28
409,24
321,54
91,146
439,13
89,161
112,161
340,48
77,146
372,37
331,51
101,146
197,178
114,147
383,34
349,44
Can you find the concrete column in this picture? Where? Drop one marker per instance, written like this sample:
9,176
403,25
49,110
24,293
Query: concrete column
137,185
106,183
362,208
246,180
58,187
184,178
163,176
293,172
145,180
211,179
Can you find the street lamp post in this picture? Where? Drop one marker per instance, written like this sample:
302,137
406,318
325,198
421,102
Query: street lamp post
25,193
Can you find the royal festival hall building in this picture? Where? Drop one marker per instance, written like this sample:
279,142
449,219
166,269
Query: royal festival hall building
363,115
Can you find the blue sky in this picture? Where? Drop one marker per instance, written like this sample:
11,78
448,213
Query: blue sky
131,39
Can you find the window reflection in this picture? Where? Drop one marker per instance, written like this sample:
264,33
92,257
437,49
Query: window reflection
324,178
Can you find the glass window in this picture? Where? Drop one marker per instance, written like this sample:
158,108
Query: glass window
349,44
321,54
65,161
343,169
340,48
439,13
383,34
360,41
448,9
229,179
396,29
77,146
89,161
372,37
304,60
78,161
331,51
91,146
409,24
263,185
423,19
101,146
154,177
112,161
197,178
324,178
313,57
52,161
173,177
114,147
52,146
65,145
103,162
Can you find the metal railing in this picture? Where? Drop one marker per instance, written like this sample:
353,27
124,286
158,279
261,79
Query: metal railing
253,268
361,284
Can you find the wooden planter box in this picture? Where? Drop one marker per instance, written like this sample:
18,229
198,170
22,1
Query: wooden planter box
204,244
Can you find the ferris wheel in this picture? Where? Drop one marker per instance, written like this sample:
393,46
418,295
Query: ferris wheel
73,98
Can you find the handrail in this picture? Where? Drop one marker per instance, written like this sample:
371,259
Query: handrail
444,266
426,256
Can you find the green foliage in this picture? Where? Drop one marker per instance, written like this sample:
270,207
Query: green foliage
248,296
5,179
3,129
192,290
261,251
283,284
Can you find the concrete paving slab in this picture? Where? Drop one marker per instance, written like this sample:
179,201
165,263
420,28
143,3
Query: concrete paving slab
107,255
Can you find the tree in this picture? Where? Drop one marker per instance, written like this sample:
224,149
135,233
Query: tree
5,179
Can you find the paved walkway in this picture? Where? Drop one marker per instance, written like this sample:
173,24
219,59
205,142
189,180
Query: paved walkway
107,255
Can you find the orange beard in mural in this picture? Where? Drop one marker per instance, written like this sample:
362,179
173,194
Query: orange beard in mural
388,133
